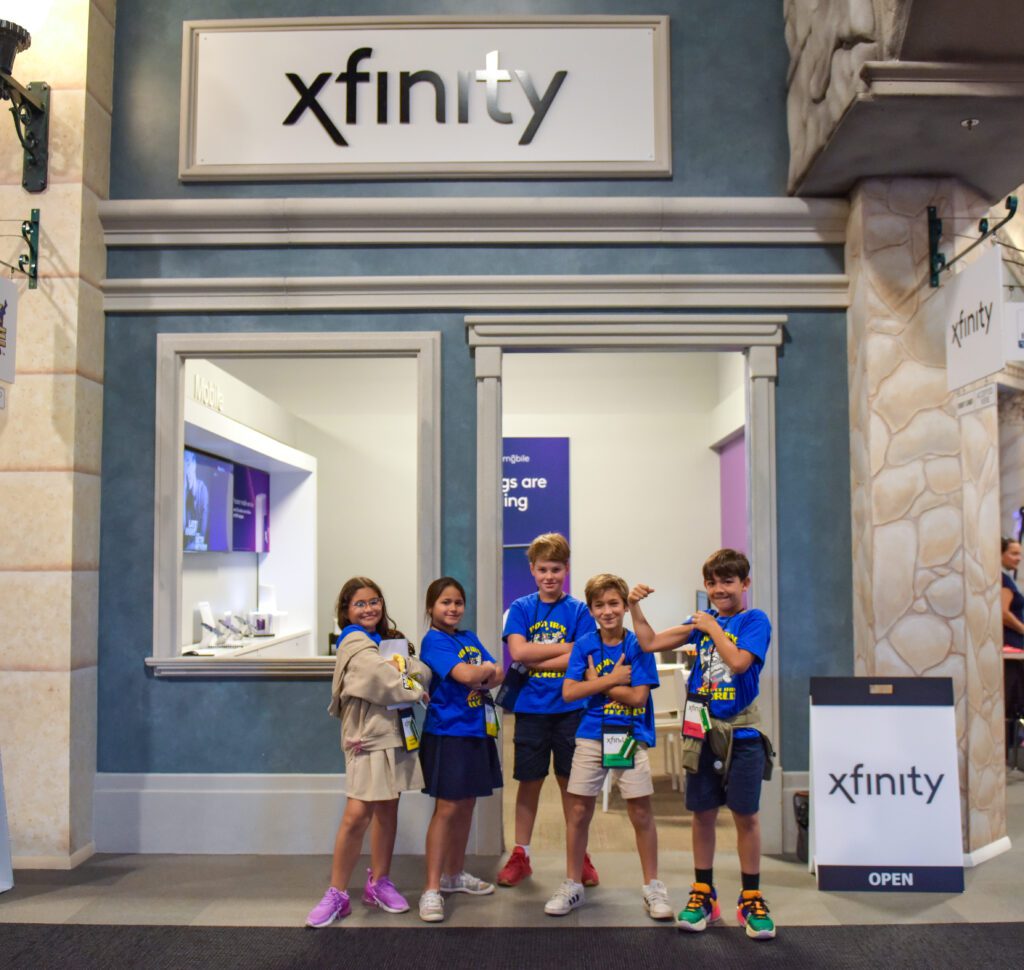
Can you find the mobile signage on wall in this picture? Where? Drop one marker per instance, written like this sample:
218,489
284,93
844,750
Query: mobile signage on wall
425,97
251,510
535,495
885,789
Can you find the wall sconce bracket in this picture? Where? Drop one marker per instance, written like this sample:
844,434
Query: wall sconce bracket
31,110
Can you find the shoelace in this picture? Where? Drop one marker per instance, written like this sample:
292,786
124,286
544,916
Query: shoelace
757,906
566,891
698,899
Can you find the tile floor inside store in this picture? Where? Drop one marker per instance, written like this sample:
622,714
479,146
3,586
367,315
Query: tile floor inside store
280,890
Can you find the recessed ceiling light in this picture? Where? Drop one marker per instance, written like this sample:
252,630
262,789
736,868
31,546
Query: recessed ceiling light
970,123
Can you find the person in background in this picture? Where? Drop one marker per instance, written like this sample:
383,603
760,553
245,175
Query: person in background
380,747
1012,600
459,754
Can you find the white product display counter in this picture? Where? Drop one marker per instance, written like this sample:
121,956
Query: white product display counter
298,643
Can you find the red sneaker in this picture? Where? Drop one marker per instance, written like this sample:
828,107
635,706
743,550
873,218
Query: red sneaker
590,876
516,869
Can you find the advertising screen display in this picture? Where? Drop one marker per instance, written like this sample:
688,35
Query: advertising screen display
208,491
251,512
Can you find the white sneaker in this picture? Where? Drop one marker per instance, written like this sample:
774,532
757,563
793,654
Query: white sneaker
656,900
431,907
464,882
565,899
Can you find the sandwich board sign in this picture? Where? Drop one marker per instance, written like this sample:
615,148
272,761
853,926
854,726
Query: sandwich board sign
884,789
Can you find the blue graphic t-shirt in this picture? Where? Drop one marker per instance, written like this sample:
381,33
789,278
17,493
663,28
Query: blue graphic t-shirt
539,622
455,709
731,693
601,709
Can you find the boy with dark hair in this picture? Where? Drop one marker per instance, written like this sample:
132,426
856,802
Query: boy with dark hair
725,754
540,630
610,671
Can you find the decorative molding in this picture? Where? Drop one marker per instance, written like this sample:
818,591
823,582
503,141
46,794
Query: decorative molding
722,332
245,813
312,294
242,668
171,351
942,79
540,221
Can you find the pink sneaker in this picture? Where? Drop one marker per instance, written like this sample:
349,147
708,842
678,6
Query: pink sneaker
381,892
334,905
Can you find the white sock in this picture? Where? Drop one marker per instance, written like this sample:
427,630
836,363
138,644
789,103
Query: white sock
525,848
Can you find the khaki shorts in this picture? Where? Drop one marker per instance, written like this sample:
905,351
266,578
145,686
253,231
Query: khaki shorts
587,776
381,776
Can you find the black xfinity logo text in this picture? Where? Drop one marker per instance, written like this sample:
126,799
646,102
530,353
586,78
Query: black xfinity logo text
852,784
972,323
491,76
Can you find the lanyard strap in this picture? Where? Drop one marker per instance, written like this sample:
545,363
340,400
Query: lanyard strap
543,619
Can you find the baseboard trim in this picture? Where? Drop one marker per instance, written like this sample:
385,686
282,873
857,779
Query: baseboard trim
54,861
986,852
262,814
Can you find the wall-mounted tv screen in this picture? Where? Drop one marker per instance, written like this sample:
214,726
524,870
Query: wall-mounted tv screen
209,491
251,511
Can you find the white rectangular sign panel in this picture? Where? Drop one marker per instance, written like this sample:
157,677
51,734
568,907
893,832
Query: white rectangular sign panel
8,328
974,321
885,791
425,97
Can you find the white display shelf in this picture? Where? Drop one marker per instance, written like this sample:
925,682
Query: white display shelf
288,655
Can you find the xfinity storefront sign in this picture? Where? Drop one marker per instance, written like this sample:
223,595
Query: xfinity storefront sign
885,792
428,96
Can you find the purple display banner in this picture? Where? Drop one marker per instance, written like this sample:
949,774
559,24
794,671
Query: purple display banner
535,492
251,510
207,501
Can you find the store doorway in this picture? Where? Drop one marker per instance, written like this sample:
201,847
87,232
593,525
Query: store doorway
634,457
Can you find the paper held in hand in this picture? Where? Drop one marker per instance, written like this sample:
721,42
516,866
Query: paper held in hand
397,648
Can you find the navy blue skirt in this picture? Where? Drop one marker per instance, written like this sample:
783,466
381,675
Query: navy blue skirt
456,767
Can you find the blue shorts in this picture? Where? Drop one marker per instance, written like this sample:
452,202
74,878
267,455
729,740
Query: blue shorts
539,738
705,789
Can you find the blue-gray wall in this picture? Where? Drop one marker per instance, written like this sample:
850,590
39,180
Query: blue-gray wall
728,69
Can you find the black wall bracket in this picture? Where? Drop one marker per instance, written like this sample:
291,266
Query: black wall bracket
936,260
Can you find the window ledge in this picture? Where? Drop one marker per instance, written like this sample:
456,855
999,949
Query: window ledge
242,668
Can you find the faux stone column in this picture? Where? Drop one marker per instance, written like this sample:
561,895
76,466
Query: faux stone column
50,450
925,486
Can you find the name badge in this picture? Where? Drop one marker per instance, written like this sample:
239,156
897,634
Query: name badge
410,733
696,719
490,717
618,747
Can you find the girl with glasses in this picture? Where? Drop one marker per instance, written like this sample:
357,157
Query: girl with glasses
373,696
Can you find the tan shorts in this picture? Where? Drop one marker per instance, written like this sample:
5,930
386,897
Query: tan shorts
381,776
587,775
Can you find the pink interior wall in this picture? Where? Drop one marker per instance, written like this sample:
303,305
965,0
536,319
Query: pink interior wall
733,476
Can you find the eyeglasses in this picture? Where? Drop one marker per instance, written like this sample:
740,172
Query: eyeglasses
363,604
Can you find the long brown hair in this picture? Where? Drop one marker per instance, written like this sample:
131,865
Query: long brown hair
386,627
437,587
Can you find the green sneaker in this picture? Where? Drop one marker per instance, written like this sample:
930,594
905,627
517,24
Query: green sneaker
752,912
701,909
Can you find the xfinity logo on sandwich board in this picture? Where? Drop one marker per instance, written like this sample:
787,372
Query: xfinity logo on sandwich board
857,783
491,75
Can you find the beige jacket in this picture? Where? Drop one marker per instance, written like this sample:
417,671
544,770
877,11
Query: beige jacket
364,684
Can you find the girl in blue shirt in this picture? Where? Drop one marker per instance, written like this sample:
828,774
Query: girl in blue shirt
458,753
